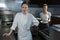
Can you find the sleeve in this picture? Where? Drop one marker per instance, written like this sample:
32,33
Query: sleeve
49,17
35,21
14,25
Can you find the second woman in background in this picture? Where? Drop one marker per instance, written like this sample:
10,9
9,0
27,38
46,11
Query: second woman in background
45,18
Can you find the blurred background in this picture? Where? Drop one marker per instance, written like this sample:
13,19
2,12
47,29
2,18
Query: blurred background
9,8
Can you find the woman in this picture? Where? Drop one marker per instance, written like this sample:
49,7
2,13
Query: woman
45,18
23,20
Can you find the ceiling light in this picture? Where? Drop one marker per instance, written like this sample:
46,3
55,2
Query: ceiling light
2,5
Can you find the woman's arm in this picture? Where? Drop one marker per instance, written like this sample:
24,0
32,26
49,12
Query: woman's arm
35,21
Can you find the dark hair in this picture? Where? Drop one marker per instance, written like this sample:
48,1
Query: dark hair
45,5
24,3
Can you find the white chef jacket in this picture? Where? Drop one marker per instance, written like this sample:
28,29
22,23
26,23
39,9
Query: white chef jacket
45,18
24,22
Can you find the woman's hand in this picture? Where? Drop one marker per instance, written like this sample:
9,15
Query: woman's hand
6,34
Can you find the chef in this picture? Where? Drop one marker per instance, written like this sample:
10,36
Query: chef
45,16
23,21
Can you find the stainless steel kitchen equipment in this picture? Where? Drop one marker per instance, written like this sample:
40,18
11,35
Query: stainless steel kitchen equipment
7,19
55,32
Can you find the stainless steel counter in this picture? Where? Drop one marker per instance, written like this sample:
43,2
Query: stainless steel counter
55,32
